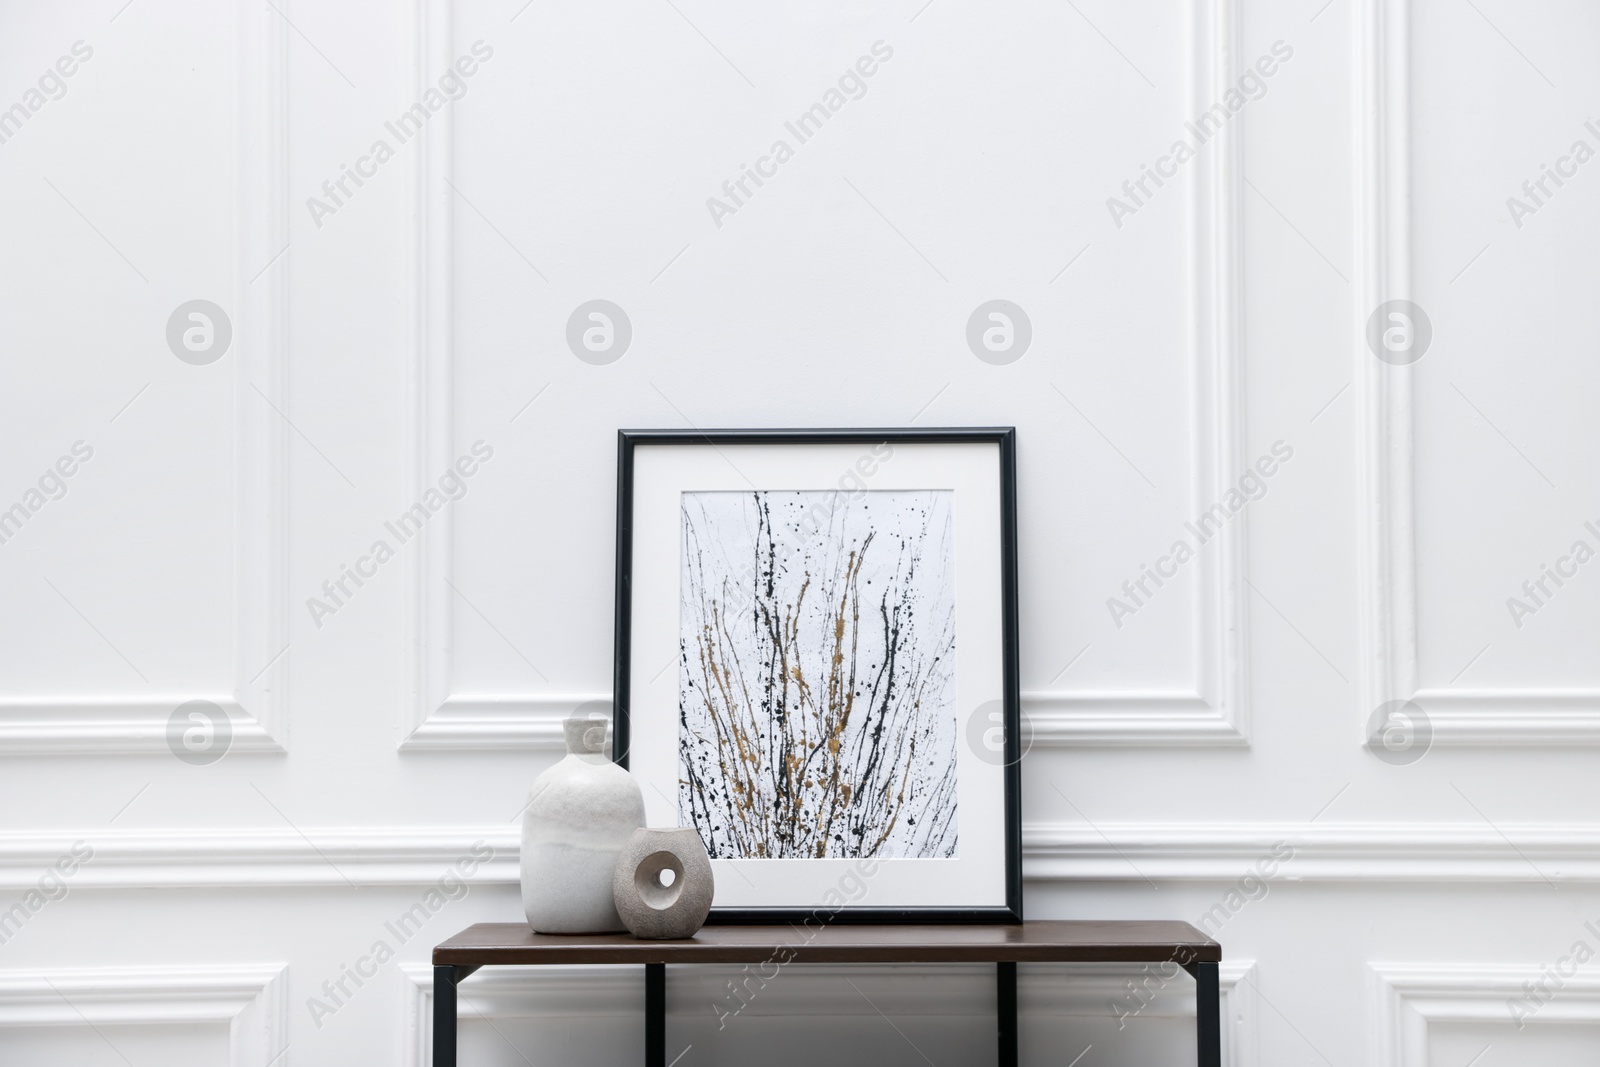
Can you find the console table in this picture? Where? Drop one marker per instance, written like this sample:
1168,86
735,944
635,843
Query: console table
1005,945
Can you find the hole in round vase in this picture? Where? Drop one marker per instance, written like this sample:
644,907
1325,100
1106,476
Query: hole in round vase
659,880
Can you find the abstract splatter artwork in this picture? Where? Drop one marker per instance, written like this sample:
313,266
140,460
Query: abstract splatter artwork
816,699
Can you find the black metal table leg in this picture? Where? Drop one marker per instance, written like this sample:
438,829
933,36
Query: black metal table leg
1207,1013
1006,1004
655,1015
444,1017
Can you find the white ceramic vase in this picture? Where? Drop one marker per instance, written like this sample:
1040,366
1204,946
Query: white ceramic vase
580,814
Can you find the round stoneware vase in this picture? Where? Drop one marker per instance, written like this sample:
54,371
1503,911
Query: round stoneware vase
663,885
580,814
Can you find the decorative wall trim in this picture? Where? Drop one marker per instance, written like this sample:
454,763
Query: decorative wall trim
127,725
1408,998
436,717
498,721
90,726
261,296
1052,852
1501,717
1322,852
1386,552
251,999
251,857
1124,718
1241,1041
1135,717
1521,716
429,391
1215,712
812,990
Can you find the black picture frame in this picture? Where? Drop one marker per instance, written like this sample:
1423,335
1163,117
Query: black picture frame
1005,438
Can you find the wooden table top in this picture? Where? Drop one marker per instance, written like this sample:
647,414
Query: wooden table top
1054,941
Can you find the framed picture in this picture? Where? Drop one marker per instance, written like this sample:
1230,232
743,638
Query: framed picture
816,665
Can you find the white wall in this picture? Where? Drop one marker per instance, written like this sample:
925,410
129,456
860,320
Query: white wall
372,747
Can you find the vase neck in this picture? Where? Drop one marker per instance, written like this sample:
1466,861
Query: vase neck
585,737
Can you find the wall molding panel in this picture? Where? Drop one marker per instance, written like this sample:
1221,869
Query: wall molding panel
1467,853
251,999
1408,998
1376,853
261,288
1214,712
812,990
436,717
429,397
1388,536
1386,550
497,721
128,725
90,726
254,857
1501,717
